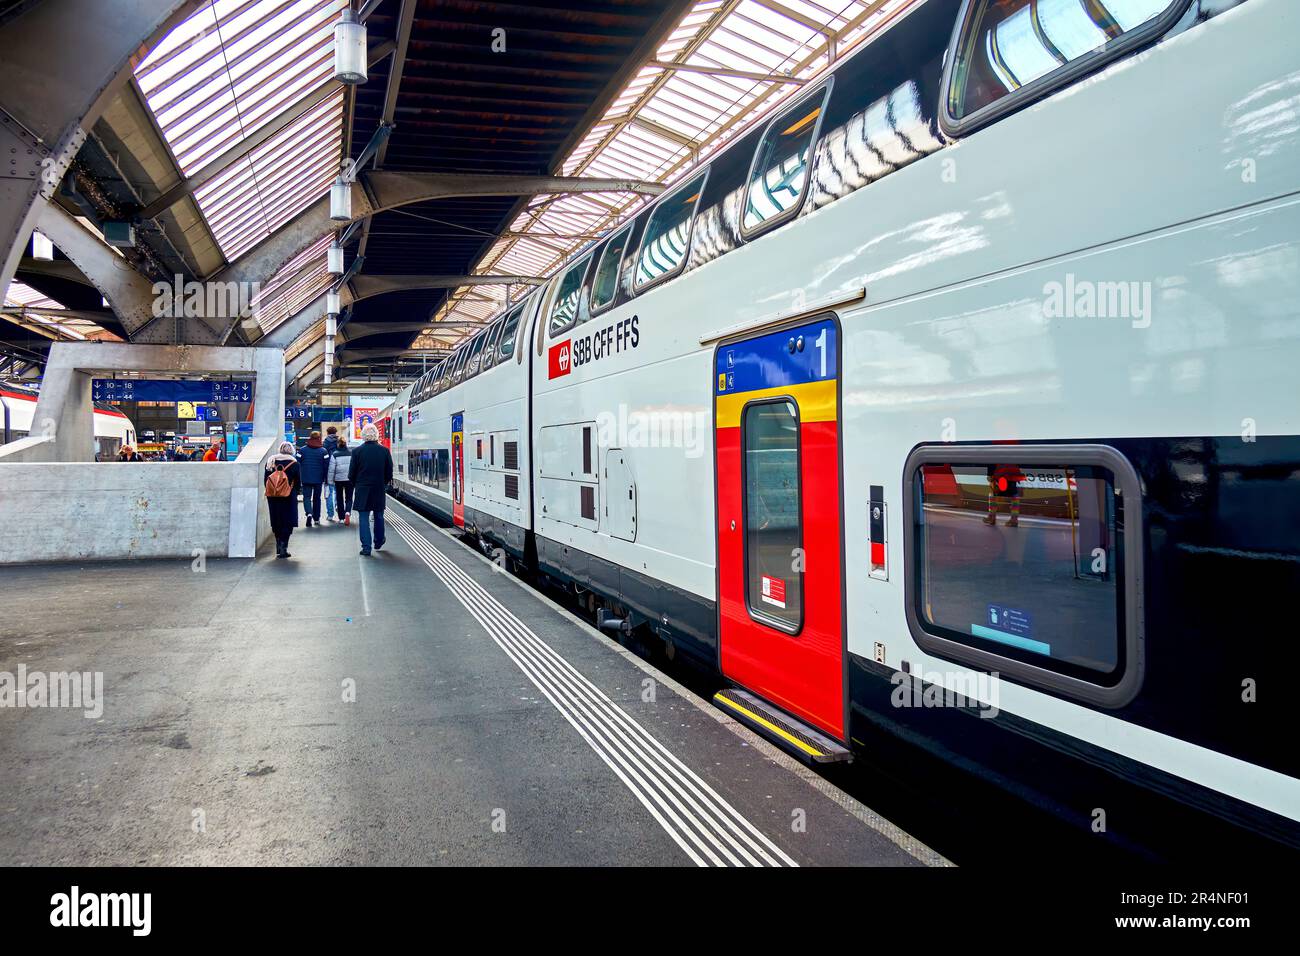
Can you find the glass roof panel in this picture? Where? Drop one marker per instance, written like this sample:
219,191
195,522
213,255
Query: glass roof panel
225,71
685,116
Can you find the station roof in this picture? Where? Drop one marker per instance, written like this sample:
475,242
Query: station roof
232,126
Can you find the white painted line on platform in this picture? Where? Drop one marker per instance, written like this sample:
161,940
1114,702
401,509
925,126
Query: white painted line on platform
365,592
706,827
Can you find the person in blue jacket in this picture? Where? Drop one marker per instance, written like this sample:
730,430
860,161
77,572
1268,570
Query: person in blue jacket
312,462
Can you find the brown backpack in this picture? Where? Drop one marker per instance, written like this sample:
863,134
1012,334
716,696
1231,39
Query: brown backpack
278,484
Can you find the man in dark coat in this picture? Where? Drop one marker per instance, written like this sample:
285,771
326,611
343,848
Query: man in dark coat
330,445
371,472
312,462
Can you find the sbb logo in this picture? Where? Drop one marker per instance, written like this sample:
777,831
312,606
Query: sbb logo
559,360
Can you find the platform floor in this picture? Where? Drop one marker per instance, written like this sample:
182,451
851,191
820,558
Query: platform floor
487,726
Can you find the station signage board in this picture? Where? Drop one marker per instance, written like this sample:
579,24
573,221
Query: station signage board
168,390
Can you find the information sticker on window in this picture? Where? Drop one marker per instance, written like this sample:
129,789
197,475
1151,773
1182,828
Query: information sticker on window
773,591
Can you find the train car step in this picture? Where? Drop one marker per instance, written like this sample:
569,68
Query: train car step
786,731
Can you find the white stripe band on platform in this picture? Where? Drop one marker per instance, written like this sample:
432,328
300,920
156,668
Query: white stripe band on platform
706,827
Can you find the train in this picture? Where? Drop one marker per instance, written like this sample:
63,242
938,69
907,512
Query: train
953,404
113,429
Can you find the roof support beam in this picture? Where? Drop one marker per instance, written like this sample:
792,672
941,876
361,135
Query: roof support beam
379,190
366,287
129,293
360,330
758,77
404,20
65,61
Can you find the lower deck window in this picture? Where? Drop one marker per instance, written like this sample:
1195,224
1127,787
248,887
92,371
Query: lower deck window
429,467
773,526
1020,564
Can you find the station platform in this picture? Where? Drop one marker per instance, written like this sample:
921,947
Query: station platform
419,706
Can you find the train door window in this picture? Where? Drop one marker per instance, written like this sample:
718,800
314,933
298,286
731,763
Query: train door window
1024,561
782,163
564,311
509,330
667,236
1010,52
604,285
772,514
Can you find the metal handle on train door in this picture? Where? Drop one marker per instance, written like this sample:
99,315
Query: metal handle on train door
733,525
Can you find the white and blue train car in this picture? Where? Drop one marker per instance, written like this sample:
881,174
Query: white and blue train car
956,404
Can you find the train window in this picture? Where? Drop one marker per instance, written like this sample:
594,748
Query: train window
475,350
490,345
1023,561
667,236
458,364
1010,52
772,515
782,163
564,313
509,330
604,285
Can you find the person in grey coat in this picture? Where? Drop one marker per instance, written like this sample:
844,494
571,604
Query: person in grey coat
371,472
340,489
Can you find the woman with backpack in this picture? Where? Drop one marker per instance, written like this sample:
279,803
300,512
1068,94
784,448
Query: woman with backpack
282,484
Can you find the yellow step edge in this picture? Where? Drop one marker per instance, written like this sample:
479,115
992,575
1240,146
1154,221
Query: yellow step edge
811,751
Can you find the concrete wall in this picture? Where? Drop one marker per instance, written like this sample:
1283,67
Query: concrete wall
68,511
55,505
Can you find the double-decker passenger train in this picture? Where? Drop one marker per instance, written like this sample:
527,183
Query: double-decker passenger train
955,403
18,406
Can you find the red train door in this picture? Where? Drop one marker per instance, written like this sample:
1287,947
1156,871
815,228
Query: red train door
780,556
458,469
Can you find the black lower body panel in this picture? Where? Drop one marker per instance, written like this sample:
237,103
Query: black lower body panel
687,619
1108,797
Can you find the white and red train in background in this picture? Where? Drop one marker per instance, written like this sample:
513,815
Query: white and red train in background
955,405
112,428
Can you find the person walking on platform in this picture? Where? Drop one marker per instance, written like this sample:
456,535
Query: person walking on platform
213,453
331,443
337,479
283,479
312,459
371,472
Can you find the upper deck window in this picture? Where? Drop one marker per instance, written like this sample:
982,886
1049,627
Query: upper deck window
475,348
1011,51
668,233
564,314
782,164
509,329
490,346
605,284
